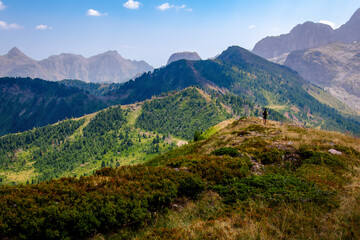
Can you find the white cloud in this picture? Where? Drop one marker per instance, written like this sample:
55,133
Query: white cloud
331,24
2,6
167,6
164,6
43,27
95,13
131,4
6,26
180,7
252,26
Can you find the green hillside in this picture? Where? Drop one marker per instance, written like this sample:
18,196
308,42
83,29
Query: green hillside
26,103
181,114
246,181
239,72
116,136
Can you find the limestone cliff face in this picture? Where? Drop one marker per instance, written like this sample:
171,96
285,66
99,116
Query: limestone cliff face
335,67
302,36
309,35
183,55
350,31
106,67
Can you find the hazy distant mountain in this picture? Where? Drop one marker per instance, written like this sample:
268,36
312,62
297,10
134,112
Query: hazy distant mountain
336,67
183,55
302,36
106,67
308,35
350,31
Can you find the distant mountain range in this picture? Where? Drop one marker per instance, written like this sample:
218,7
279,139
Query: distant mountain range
183,55
105,67
308,35
26,103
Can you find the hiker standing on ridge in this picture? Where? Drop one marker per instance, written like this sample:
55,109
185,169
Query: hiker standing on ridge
265,114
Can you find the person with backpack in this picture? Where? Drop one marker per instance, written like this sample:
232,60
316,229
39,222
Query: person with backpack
265,115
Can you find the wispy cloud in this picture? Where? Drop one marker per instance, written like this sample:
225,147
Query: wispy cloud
131,4
164,6
6,26
95,13
43,27
252,26
331,24
167,6
2,6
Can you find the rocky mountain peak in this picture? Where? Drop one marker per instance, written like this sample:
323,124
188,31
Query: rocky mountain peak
194,56
350,31
356,16
302,36
309,35
16,53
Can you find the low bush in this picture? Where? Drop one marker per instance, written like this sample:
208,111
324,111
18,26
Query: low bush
270,156
230,151
112,198
215,170
274,188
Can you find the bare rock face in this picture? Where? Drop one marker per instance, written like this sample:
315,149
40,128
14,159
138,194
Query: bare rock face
307,35
335,67
106,67
183,55
350,31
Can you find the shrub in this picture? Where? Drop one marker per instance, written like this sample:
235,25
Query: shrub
270,156
230,151
191,187
274,188
76,208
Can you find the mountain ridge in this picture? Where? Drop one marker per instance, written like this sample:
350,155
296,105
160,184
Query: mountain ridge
105,67
244,74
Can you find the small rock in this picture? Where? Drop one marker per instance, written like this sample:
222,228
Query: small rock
334,152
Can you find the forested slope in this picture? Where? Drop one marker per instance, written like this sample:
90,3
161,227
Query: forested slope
26,103
120,135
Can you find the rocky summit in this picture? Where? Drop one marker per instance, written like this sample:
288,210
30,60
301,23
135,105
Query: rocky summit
309,35
183,55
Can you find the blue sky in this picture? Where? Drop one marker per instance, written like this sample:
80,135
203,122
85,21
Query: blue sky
153,30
